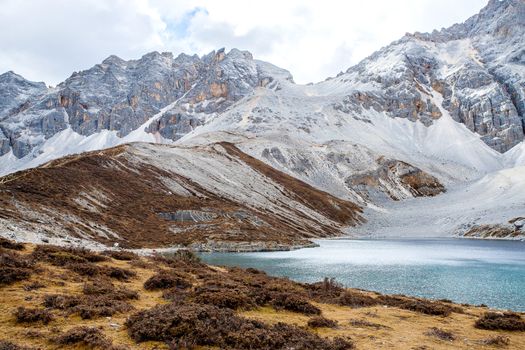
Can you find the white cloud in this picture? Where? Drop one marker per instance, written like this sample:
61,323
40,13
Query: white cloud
48,40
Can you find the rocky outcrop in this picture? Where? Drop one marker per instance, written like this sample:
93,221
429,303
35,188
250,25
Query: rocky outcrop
471,72
15,92
513,229
494,231
397,179
173,125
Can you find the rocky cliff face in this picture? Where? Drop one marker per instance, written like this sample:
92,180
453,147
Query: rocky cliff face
122,95
476,69
15,96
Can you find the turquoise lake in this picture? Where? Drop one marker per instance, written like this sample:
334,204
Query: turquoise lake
465,271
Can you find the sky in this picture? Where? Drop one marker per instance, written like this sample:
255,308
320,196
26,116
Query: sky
47,40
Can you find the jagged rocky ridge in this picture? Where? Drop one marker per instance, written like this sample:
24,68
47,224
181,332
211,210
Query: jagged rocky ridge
477,67
120,96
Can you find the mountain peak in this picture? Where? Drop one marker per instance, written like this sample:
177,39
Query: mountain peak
10,76
498,17
113,59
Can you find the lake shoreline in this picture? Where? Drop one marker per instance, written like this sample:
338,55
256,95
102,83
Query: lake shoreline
265,247
465,270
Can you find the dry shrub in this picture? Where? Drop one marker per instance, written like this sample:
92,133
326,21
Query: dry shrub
498,340
14,267
186,256
356,299
225,299
121,255
98,286
61,302
26,315
141,264
9,275
367,324
122,293
440,334
65,258
505,321
320,321
223,290
255,271
295,303
448,301
180,258
427,307
119,273
34,286
331,292
88,306
166,280
60,256
7,345
259,296
101,306
176,295
8,244
13,259
105,287
79,260
88,336
328,290
85,269
204,325
92,270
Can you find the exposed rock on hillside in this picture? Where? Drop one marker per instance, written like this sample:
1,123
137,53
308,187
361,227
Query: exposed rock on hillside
477,66
515,228
397,179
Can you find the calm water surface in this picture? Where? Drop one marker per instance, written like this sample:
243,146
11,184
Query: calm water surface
465,271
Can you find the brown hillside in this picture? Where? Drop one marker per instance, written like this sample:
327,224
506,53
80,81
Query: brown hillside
145,195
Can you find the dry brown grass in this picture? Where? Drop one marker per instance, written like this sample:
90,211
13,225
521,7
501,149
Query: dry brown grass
320,322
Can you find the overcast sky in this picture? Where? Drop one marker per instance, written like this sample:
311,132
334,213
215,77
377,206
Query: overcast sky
46,40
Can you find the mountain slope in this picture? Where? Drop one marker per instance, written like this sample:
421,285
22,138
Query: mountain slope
477,66
143,195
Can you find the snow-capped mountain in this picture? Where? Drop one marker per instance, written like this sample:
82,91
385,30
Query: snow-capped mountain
431,112
120,96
